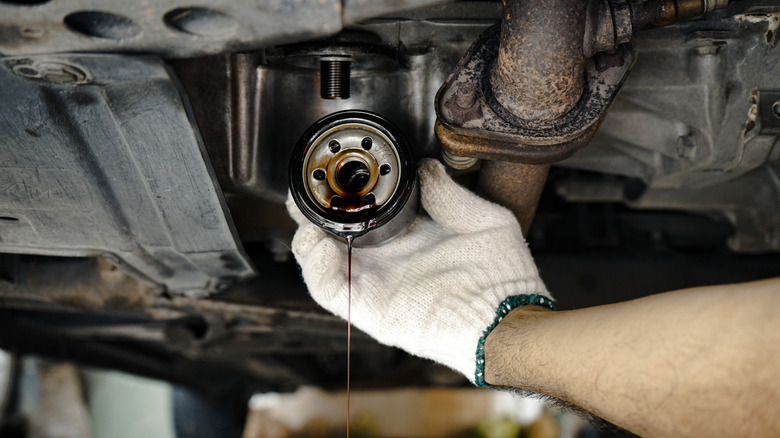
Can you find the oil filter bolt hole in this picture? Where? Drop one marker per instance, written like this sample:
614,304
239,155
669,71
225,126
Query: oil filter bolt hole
385,169
334,146
367,143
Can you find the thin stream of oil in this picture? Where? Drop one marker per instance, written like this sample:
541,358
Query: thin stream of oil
349,321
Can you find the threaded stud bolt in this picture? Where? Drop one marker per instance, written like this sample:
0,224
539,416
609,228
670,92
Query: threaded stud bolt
335,77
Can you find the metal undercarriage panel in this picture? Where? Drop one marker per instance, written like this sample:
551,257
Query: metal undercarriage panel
175,28
100,158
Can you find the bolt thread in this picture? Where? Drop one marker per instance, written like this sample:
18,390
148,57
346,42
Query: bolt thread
457,162
334,79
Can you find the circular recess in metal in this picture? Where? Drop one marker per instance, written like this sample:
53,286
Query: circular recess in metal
24,2
202,22
102,25
359,48
345,188
52,70
776,109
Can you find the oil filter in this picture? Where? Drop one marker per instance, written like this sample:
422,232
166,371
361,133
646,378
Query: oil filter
352,173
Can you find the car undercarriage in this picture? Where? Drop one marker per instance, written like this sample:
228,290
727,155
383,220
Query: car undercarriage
145,153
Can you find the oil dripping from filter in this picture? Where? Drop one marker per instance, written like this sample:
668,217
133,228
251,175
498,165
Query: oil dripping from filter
349,322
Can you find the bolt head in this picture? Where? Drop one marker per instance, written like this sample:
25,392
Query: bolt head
466,95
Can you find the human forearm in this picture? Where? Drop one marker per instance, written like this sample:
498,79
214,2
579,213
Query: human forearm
694,362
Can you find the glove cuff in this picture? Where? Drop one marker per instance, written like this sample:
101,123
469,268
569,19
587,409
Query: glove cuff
506,306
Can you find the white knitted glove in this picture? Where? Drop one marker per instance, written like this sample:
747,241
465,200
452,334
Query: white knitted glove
437,290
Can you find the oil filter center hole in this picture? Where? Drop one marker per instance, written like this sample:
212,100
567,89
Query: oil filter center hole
353,176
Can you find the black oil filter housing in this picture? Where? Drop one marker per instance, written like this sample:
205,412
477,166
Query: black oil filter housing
353,174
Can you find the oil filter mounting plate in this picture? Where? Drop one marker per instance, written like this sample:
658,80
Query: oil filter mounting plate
352,172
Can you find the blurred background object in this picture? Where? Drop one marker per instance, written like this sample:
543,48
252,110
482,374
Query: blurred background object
49,399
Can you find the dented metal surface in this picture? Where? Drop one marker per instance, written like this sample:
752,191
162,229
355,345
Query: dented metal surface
174,28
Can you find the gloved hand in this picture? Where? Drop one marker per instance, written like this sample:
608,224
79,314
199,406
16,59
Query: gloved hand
437,290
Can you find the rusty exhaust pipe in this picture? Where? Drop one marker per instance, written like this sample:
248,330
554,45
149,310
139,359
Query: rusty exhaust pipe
538,76
526,95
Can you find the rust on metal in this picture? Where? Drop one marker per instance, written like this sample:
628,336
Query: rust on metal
516,186
464,104
496,123
649,14
491,147
539,72
539,104
538,98
607,60
599,28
